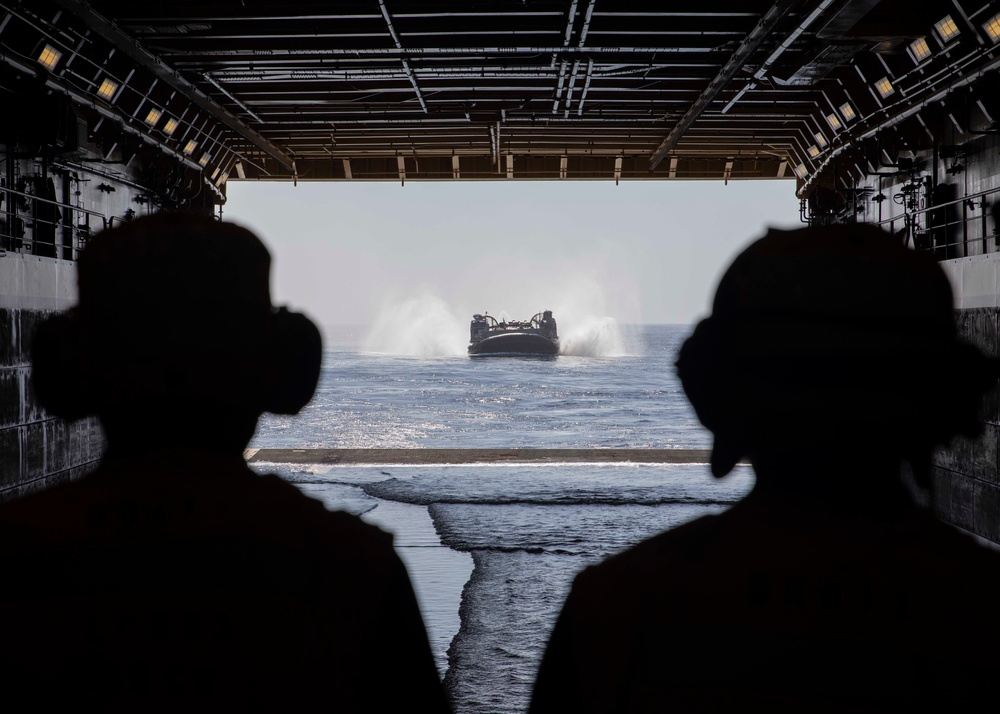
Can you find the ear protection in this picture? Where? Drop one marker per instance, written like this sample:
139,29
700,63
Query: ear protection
922,409
704,371
296,350
282,379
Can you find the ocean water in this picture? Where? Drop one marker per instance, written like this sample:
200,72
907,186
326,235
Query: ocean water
492,548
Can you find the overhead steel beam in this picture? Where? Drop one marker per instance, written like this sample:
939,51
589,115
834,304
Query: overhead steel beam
750,44
406,64
128,44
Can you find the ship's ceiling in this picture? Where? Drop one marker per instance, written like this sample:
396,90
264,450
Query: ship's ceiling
404,90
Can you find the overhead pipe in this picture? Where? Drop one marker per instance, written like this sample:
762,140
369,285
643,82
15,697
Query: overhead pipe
399,45
559,87
572,84
211,80
576,63
788,42
468,72
570,20
434,51
586,88
749,45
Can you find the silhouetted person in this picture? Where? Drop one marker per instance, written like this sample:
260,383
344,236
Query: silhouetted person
830,361
173,578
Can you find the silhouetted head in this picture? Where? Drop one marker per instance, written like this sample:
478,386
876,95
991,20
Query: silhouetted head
175,321
832,338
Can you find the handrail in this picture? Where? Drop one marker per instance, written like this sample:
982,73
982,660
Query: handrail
35,197
908,216
936,206
67,236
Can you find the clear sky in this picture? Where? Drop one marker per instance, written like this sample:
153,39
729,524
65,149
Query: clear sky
639,252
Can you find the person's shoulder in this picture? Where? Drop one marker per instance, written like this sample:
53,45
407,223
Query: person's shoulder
313,515
670,555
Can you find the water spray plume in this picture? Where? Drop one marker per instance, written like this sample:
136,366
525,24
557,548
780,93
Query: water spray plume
592,337
418,326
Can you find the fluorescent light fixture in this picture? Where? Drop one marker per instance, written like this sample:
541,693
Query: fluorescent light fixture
884,87
190,147
49,57
820,139
919,50
800,170
992,28
946,29
154,116
171,126
222,179
813,151
216,173
833,121
107,89
204,159
847,111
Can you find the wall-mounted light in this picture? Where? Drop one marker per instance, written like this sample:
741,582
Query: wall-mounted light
800,170
204,159
107,89
833,121
847,111
190,147
49,57
946,29
171,126
820,139
153,116
919,50
884,87
992,28
813,151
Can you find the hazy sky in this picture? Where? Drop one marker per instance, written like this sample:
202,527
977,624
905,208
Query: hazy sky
639,252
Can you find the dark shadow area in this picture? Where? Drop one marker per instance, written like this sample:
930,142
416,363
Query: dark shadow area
174,578
831,361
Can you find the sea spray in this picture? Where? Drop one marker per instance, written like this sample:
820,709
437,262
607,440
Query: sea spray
585,309
418,326
592,337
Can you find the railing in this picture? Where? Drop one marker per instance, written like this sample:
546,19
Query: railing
60,236
942,223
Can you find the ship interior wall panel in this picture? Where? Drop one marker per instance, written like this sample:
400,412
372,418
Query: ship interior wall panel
36,448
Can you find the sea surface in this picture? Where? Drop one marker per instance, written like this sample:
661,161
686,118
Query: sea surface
492,548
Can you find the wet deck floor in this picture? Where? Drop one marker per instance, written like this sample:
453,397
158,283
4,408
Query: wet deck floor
362,457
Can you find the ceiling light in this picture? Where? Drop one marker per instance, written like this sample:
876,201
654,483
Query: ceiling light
813,151
820,139
884,87
847,111
222,179
919,50
204,159
107,89
833,121
946,29
171,126
800,170
992,28
216,172
50,57
190,147
153,116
